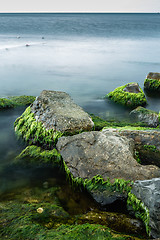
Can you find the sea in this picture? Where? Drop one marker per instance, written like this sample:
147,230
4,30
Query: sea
86,55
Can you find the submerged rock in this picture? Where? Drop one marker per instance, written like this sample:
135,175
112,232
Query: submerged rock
147,116
130,95
148,192
16,101
57,111
152,82
116,221
107,154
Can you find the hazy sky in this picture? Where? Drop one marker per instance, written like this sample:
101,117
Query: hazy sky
80,6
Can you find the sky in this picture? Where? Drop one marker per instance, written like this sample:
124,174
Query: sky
80,6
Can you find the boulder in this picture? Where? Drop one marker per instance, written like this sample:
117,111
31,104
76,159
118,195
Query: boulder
57,111
148,191
130,95
103,153
150,118
152,82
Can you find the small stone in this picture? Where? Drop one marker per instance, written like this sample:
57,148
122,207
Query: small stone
40,210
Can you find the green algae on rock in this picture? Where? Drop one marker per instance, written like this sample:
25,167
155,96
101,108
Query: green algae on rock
130,95
16,101
139,209
152,82
32,155
33,131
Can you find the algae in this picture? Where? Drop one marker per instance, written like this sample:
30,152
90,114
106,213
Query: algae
33,131
100,123
37,214
140,210
127,98
33,155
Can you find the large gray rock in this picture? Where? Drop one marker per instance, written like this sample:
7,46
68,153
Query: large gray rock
57,111
106,153
149,193
150,118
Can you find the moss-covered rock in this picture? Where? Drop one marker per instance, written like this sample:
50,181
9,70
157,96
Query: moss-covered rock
152,82
33,155
34,132
130,98
16,101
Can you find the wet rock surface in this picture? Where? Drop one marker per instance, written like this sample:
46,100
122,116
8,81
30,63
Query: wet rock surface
148,192
147,116
105,153
132,88
153,75
57,111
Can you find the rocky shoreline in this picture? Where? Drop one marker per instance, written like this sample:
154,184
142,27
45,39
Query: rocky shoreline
118,165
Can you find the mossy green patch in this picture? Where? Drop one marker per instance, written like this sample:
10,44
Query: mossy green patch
151,148
16,101
152,85
137,157
132,128
37,214
97,182
127,98
100,123
140,210
33,155
83,232
33,131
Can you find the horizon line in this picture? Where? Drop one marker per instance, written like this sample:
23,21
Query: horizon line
79,12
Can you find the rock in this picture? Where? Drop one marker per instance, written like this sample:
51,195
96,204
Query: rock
153,75
147,116
130,95
132,88
56,110
147,143
152,82
105,153
148,192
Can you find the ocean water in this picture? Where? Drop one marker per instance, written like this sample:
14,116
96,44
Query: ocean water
85,55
